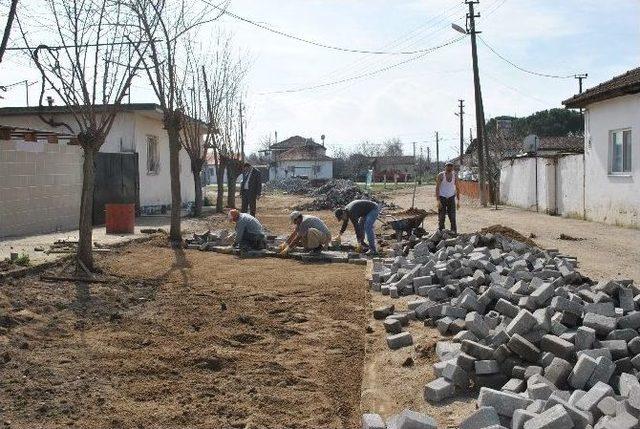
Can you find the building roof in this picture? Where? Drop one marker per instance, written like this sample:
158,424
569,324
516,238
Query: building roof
391,161
573,143
627,83
48,110
294,141
304,153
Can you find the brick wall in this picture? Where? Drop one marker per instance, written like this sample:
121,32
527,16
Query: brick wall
40,185
471,189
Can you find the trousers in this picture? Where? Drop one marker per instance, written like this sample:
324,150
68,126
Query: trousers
447,208
248,202
366,224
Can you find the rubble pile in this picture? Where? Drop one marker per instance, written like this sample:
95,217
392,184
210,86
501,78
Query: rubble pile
290,185
335,193
545,346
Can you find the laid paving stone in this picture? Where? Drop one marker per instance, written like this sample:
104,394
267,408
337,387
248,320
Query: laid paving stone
398,341
483,417
439,390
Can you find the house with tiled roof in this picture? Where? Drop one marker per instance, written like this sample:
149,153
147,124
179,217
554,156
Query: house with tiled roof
299,157
595,178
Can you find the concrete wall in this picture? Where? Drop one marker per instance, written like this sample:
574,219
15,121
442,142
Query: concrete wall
40,186
559,184
611,198
303,168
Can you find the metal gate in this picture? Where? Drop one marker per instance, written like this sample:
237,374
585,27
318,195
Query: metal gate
116,182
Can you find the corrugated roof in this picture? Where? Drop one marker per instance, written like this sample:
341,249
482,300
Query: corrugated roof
627,83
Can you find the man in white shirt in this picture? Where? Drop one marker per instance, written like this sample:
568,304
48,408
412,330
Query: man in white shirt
447,193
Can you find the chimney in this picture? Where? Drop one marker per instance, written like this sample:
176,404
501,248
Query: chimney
322,138
50,100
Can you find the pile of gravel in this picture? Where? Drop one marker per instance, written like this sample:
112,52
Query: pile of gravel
545,346
336,193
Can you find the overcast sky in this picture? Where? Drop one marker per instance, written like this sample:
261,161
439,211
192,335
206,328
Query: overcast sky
416,99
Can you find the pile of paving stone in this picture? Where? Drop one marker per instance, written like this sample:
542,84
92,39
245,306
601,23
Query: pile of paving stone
290,185
336,193
542,345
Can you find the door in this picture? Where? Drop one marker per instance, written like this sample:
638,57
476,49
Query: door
116,182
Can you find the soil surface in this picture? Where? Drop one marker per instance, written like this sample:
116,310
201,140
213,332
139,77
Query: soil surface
186,339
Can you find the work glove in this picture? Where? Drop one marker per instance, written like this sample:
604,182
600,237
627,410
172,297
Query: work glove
358,248
284,251
337,239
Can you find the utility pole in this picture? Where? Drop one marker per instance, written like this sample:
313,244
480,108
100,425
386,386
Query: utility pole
580,78
437,153
480,135
429,158
415,181
461,116
241,135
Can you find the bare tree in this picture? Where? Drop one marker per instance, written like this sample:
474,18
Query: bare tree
215,77
13,7
91,78
175,19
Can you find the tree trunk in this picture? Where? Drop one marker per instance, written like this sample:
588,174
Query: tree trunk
232,175
220,184
85,253
175,234
197,180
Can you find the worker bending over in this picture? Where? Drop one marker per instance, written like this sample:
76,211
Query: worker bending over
446,193
363,214
249,231
310,231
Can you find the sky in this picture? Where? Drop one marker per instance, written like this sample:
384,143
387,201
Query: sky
414,100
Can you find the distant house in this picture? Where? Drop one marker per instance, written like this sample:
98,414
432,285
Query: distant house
593,177
134,155
299,157
392,168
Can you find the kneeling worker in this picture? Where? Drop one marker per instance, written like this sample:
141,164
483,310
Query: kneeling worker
310,231
249,231
363,215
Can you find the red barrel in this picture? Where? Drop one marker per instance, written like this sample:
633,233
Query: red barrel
120,218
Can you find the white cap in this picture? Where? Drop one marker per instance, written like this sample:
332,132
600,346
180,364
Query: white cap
294,215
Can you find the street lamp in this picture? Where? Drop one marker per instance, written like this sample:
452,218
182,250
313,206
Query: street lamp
459,29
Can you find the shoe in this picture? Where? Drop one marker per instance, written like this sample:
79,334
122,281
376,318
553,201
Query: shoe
371,253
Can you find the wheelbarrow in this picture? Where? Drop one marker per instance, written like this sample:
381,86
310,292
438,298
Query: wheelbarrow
408,224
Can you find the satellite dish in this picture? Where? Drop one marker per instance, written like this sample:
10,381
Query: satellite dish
530,144
458,28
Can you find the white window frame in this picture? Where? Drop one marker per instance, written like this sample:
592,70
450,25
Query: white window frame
622,172
153,166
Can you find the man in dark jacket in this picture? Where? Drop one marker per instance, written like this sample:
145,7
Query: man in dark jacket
251,188
362,214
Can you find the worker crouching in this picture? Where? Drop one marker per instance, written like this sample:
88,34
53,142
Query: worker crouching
249,231
310,232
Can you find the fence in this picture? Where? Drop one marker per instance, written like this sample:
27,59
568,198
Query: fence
471,189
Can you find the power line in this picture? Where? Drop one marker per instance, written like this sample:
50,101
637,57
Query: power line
313,42
368,74
553,76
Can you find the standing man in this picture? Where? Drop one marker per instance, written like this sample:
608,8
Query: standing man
311,232
363,215
447,193
251,188
249,231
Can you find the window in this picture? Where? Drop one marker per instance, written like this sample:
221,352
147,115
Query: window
153,155
620,151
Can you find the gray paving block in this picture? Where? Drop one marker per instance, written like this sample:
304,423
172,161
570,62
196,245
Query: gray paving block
543,293
484,367
515,385
594,395
608,406
581,419
398,341
477,350
631,320
557,346
392,326
505,403
521,324
601,324
506,308
555,417
582,371
603,372
475,323
466,362
558,371
408,419
523,348
520,417
634,346
372,421
622,421
381,313
628,385
618,348
456,374
439,390
483,417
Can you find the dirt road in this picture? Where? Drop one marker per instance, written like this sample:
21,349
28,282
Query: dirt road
186,339
603,251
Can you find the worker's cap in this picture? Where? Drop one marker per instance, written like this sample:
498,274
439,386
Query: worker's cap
294,215
234,215
446,164
338,213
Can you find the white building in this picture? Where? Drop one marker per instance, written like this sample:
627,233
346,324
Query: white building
299,157
137,129
602,184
